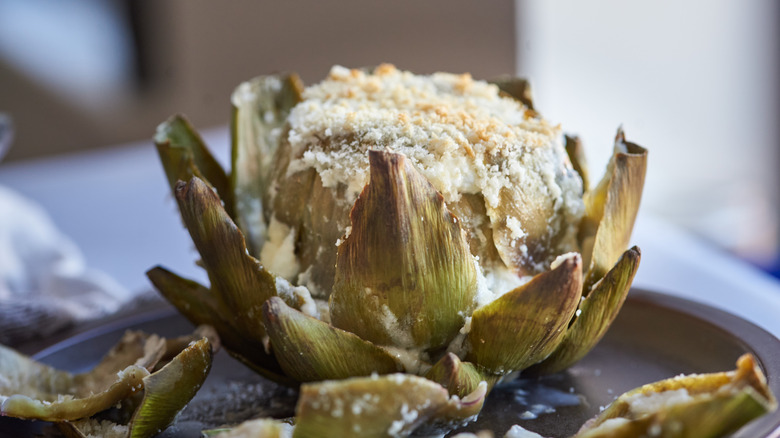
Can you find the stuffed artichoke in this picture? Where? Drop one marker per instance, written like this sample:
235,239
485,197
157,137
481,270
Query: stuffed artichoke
381,222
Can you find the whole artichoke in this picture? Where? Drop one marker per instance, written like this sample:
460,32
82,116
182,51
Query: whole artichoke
381,222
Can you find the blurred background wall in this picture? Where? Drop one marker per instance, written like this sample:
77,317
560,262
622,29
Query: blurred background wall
87,73
694,81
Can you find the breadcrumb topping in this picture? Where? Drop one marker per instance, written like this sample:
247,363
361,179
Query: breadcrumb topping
459,133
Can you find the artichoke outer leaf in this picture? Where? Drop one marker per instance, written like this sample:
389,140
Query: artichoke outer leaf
460,378
260,110
391,405
311,350
167,391
708,417
525,325
195,301
576,153
184,155
597,312
404,274
611,209
237,278
713,405
201,307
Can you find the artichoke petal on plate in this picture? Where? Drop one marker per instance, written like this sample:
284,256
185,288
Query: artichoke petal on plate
525,325
33,390
36,391
64,406
700,405
260,109
165,393
597,311
391,405
311,350
404,275
184,155
460,378
611,208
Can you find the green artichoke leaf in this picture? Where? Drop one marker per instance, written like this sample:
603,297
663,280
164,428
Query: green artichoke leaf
597,312
165,393
260,109
201,307
33,390
576,153
392,405
525,325
311,350
611,208
460,378
184,155
699,405
517,88
237,279
404,273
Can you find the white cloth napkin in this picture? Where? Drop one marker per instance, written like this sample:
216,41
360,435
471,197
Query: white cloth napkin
45,284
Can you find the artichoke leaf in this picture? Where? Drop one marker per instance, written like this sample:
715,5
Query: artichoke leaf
184,155
391,405
30,389
576,153
165,393
611,209
201,307
460,378
260,109
237,279
531,251
322,223
525,325
597,312
700,405
404,273
311,350
64,407
472,212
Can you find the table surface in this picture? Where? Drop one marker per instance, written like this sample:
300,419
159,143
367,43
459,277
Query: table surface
116,205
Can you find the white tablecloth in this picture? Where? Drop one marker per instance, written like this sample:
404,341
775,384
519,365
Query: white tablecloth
116,205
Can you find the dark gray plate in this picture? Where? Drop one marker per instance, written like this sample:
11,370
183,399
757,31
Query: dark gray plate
655,337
